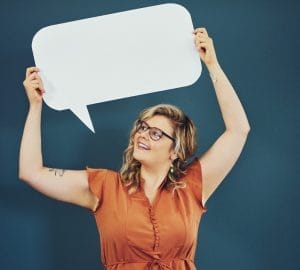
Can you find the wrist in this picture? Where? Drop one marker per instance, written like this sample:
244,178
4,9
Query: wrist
35,106
213,67
214,72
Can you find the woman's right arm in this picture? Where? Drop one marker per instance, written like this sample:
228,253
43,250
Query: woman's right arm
64,185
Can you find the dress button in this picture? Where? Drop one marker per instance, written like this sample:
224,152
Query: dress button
156,256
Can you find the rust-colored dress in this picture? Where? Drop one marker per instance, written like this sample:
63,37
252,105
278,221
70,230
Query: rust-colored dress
135,234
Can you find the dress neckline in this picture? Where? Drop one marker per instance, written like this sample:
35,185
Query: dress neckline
157,194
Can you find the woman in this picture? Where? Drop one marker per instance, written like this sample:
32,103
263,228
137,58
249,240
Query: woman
148,213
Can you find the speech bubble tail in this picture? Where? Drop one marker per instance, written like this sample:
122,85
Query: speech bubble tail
83,114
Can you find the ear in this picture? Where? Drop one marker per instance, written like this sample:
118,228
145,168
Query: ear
173,156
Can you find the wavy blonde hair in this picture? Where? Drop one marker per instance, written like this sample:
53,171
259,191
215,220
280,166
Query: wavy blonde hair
185,146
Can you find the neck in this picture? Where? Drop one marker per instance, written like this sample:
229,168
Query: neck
154,176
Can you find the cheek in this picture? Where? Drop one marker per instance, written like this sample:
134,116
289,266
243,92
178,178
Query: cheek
161,149
134,138
134,142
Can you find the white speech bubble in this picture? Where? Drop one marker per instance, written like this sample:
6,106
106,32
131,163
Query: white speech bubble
114,56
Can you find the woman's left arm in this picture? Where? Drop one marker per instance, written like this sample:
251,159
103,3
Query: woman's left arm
219,159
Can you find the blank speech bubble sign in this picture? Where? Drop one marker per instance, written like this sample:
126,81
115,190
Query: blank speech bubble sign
115,56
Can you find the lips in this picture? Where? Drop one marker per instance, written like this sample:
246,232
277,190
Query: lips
143,146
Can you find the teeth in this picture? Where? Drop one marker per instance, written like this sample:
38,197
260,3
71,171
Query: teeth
143,146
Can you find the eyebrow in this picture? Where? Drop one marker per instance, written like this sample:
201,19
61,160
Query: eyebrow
160,130
153,126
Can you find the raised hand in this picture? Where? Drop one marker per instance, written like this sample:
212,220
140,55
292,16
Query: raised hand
205,47
33,85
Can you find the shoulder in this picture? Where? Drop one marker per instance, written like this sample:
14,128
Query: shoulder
104,184
194,172
193,179
100,176
100,172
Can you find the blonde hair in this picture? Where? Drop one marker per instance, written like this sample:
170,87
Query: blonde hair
185,146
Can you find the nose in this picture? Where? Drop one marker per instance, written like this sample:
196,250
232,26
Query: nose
145,134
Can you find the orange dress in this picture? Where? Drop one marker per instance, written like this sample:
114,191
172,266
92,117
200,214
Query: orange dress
135,234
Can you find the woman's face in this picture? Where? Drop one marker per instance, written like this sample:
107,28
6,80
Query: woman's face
150,152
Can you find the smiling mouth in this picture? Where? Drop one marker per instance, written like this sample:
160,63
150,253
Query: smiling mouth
142,146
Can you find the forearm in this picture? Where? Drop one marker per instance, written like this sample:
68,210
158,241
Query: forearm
233,114
30,160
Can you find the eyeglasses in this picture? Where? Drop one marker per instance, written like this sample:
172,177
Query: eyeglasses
155,133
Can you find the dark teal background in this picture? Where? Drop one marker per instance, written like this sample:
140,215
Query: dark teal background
253,217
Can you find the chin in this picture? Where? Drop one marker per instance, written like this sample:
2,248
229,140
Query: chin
140,156
137,155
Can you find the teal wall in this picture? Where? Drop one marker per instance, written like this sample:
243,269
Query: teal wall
252,221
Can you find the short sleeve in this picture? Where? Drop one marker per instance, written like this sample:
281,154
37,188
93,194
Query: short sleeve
96,181
194,178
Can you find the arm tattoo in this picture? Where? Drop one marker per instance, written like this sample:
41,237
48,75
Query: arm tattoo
59,172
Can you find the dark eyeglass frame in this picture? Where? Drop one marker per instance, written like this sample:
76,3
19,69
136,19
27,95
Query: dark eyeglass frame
151,129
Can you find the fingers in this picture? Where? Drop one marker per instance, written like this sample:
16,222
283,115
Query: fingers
34,81
33,78
31,70
200,30
201,36
205,46
202,39
203,43
41,85
35,86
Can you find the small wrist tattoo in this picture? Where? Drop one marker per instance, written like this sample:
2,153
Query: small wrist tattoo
57,172
213,77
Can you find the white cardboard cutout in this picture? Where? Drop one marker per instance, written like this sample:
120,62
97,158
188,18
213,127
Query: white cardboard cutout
115,56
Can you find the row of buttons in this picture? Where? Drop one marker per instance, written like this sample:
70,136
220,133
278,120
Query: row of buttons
155,227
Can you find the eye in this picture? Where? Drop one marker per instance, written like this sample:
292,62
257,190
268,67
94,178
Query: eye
156,133
144,127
